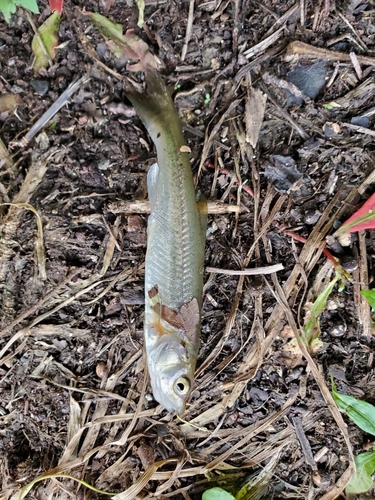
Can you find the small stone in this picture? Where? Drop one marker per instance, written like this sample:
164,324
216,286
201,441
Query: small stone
100,369
331,129
16,89
338,330
345,239
312,217
349,263
361,121
332,305
102,51
41,87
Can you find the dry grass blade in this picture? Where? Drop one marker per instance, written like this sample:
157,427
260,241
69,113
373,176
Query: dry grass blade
264,44
256,271
12,219
254,114
289,13
50,113
189,28
260,427
280,297
34,308
142,481
210,138
39,244
232,315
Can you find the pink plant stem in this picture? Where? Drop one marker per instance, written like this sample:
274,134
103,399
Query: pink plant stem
301,239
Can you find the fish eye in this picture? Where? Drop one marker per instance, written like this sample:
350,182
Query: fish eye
182,386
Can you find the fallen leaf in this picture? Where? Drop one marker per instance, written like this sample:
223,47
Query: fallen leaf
9,102
48,33
254,114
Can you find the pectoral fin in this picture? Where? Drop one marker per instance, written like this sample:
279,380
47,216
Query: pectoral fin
152,180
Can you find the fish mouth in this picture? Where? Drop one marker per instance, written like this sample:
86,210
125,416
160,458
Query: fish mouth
171,387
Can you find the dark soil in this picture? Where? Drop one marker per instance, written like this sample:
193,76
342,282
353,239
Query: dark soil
71,360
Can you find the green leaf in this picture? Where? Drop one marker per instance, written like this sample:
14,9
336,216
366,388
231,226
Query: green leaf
29,4
141,12
217,494
369,295
362,480
48,33
7,7
107,28
360,412
312,326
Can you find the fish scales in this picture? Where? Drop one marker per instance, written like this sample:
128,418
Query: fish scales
175,252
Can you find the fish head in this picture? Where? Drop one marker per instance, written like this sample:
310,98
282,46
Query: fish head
171,372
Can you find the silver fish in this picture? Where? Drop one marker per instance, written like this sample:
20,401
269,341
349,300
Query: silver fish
175,252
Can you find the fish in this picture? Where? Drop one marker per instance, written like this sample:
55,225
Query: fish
175,250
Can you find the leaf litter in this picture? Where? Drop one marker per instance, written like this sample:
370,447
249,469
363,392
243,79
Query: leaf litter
72,369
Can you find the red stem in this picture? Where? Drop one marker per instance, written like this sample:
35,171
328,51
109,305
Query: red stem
301,239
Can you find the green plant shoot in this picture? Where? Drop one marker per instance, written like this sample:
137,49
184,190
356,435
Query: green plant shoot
369,295
311,328
363,415
9,7
217,494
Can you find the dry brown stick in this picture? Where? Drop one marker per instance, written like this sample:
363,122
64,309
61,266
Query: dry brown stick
289,13
259,427
304,442
189,28
359,129
360,42
297,50
264,44
143,207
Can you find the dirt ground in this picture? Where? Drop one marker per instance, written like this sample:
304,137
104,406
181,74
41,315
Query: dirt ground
282,135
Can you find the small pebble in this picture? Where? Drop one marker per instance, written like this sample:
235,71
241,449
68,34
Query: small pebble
338,330
312,217
41,87
100,369
349,263
361,121
16,89
102,51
